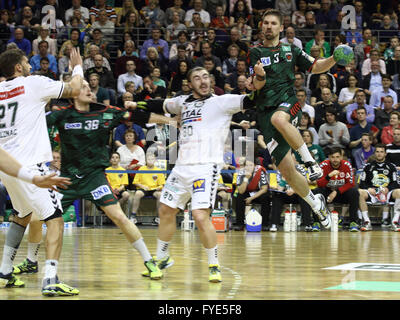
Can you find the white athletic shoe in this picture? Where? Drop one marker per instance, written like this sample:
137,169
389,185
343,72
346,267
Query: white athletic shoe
323,213
314,170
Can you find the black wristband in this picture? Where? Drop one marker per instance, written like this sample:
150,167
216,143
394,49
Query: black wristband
140,117
260,78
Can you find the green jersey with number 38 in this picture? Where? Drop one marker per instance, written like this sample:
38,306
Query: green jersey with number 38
85,136
279,65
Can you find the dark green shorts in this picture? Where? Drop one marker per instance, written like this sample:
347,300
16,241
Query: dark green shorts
93,187
276,144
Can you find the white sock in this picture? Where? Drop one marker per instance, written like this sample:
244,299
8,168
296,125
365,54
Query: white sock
33,250
212,255
50,269
305,153
142,248
8,258
162,249
312,200
385,215
396,216
359,214
365,215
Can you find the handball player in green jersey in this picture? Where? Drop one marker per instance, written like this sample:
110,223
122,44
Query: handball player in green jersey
278,111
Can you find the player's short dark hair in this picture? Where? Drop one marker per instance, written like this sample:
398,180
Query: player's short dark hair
273,12
334,150
8,60
381,146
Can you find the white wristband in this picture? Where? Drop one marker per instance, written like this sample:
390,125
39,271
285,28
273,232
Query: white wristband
245,180
77,70
25,175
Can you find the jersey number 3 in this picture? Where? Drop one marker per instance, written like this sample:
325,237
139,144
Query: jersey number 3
13,106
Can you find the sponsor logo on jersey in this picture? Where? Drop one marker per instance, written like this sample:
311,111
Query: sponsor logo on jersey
191,115
69,126
199,185
12,93
289,57
8,133
107,116
100,192
266,61
286,48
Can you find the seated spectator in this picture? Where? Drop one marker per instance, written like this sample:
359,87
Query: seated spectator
308,31
373,81
305,124
120,62
127,42
177,7
155,41
185,90
242,121
286,7
173,29
128,6
95,10
30,23
21,42
154,60
198,8
35,61
315,149
290,38
347,94
220,22
333,133
196,30
216,47
373,56
299,16
229,64
131,88
377,95
63,62
379,184
387,30
44,69
393,149
44,35
362,154
133,26
99,41
231,81
105,25
118,181
206,52
299,81
353,36
234,38
224,193
363,49
152,15
319,40
181,41
119,135
102,95
359,101
147,184
241,9
388,131
321,107
174,63
253,181
301,97
155,77
106,76
5,28
341,75
389,51
130,75
151,91
382,115
324,80
212,69
393,63
75,41
89,61
76,5
178,77
338,184
327,14
241,87
361,127
245,30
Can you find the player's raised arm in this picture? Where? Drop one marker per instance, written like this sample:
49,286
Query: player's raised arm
72,88
342,55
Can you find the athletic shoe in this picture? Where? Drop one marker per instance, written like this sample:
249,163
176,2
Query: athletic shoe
308,228
354,227
314,170
26,266
162,264
323,213
55,288
395,226
10,281
273,228
385,223
154,271
133,218
340,222
366,226
214,273
316,227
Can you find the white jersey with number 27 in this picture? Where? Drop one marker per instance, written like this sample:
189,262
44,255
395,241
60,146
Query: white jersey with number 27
23,128
204,126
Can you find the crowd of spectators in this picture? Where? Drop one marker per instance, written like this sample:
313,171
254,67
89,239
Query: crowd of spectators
142,49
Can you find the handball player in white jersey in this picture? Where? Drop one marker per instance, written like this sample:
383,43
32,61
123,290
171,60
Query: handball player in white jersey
24,135
204,125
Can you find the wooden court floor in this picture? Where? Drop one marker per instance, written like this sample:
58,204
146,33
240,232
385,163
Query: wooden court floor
255,266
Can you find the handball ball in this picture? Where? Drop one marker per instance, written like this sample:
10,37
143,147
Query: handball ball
343,54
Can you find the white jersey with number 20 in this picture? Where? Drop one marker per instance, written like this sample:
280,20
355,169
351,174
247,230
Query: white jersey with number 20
204,126
23,128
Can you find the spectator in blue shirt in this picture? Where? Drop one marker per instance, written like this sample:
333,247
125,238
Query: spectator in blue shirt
22,43
156,42
119,139
360,101
43,49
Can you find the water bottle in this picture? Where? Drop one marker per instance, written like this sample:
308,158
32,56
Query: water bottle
293,220
286,223
335,221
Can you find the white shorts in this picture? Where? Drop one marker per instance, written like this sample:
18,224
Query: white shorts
374,199
27,198
196,182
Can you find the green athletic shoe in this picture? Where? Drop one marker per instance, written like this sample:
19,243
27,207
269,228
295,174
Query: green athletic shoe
10,281
153,269
57,288
354,227
162,264
214,273
26,266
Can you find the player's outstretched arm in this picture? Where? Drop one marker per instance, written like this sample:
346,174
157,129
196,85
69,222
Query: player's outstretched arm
323,65
342,55
73,88
12,167
153,112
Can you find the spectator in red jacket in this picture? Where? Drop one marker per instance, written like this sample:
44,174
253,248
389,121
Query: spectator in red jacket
338,184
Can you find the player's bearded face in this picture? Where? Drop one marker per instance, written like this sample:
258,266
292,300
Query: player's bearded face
26,67
271,27
201,84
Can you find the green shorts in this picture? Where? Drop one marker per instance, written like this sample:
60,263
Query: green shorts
276,143
93,187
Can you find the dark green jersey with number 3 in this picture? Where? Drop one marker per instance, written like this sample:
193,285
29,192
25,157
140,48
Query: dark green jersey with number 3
279,65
